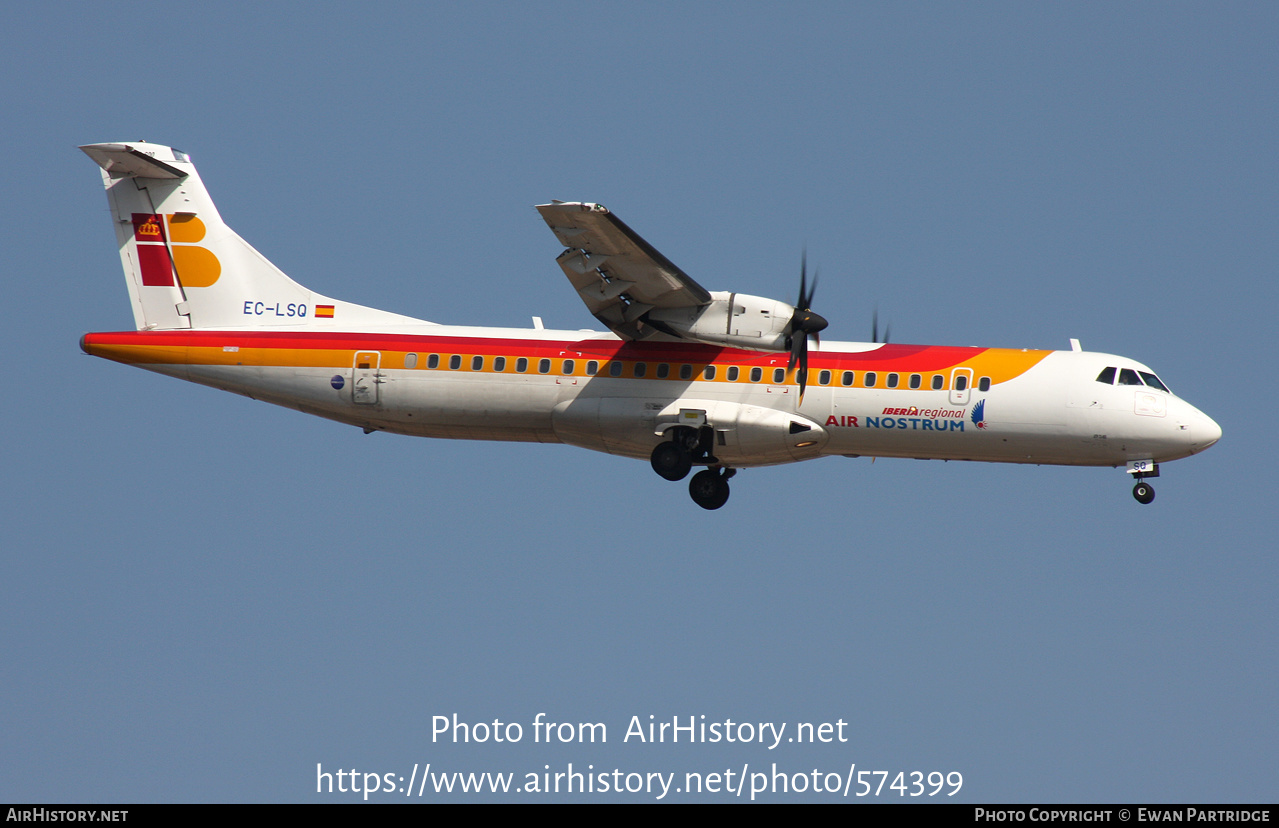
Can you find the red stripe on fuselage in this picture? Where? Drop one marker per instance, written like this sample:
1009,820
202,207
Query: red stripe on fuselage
885,357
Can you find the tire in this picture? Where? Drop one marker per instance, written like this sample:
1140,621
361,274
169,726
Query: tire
709,489
1144,492
670,461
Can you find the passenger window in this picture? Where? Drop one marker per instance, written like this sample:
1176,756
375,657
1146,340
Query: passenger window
592,368
938,381
455,362
433,361
568,366
779,376
733,373
961,382
915,381
892,380
477,363
663,370
615,369
983,384
544,366
757,374
1153,381
410,360
685,372
499,363
521,365
708,373
1107,376
847,379
868,379
823,378
1127,376
641,369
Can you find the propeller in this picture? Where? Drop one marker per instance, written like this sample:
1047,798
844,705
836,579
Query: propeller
804,323
874,328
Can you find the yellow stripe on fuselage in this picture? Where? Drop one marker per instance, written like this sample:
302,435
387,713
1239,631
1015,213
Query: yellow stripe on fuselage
998,364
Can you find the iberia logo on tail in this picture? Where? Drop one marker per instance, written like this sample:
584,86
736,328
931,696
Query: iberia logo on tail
191,264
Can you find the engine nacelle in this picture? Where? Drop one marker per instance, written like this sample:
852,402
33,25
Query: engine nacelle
737,320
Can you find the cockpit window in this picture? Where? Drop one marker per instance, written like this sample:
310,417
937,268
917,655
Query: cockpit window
1107,376
1127,376
1153,381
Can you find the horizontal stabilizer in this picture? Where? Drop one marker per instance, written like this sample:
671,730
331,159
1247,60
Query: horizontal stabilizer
121,160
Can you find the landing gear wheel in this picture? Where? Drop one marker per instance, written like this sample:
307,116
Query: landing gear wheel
709,489
670,461
1144,492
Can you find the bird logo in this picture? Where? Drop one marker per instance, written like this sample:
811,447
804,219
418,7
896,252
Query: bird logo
979,414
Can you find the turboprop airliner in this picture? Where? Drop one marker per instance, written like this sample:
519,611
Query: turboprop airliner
684,377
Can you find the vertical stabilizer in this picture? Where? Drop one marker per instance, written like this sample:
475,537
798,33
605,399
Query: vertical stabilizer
185,268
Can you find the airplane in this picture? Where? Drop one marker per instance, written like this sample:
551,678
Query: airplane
684,377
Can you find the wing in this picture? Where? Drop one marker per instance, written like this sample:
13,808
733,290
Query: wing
619,276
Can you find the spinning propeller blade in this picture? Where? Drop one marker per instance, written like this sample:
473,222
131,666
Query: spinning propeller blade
803,324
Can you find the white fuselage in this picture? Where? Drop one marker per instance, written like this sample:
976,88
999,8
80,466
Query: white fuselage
1042,407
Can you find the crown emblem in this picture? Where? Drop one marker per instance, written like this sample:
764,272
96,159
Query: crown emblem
149,228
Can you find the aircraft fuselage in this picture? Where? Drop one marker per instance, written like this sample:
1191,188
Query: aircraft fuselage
600,393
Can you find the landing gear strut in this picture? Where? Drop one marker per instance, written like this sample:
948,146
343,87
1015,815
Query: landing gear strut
1143,491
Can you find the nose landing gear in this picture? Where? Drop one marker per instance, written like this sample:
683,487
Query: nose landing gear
1140,470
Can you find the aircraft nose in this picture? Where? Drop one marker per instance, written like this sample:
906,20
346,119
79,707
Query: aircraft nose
1198,429
1206,431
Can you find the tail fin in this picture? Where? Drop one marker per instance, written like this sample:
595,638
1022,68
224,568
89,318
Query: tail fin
185,268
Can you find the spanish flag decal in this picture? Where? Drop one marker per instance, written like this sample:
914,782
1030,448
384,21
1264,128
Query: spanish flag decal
323,311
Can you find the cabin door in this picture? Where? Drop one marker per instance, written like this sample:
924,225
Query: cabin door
366,377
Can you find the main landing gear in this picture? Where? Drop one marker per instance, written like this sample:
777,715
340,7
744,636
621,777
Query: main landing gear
674,459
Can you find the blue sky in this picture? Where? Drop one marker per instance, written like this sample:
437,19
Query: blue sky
203,597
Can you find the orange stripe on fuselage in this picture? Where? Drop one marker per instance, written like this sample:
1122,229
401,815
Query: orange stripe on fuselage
336,350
